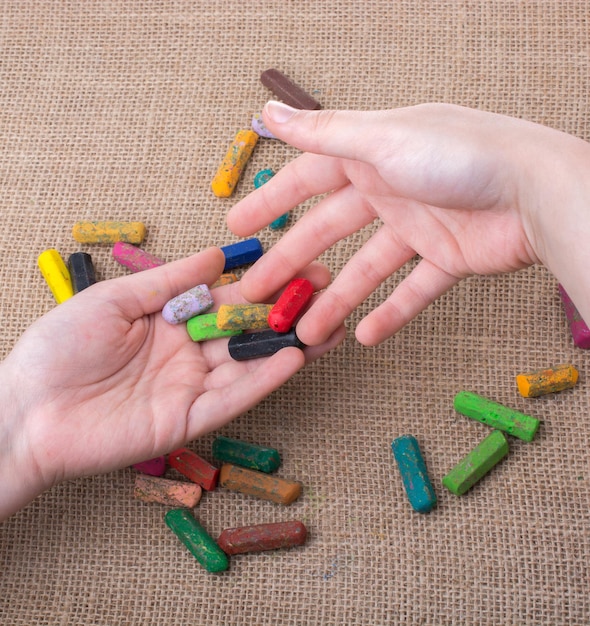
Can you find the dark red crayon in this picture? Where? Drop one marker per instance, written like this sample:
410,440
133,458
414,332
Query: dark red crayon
262,537
290,304
191,465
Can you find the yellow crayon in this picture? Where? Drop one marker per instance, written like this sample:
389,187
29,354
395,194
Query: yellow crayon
109,232
56,275
243,316
230,170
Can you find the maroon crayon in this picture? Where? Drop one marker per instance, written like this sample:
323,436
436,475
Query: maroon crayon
261,537
287,91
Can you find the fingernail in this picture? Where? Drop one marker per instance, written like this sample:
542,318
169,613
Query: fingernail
279,112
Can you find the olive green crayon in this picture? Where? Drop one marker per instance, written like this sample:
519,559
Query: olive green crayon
496,415
246,454
204,327
477,463
199,543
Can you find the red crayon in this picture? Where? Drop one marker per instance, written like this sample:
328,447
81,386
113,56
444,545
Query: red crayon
292,301
191,465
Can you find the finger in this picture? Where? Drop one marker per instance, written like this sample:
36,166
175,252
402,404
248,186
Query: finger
424,285
335,217
147,292
225,370
216,351
317,273
218,406
346,134
305,177
313,353
380,257
430,152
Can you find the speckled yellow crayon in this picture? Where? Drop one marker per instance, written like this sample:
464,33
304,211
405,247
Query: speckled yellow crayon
243,316
109,232
230,170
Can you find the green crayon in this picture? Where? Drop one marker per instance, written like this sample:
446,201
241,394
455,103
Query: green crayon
496,415
204,327
200,544
246,454
477,463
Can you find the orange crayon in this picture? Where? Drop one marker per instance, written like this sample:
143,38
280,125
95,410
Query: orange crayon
259,484
551,380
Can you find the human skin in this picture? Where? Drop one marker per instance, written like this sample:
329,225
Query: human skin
469,192
102,381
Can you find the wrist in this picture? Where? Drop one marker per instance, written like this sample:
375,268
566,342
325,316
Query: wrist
560,214
19,476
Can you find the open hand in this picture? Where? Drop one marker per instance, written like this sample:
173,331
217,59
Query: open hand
103,381
469,192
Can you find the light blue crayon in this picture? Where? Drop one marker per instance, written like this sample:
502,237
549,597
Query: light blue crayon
262,177
280,222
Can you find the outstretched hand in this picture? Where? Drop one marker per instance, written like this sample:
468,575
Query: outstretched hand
103,381
469,192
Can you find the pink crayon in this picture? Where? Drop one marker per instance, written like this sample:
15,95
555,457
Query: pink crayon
580,332
134,258
153,467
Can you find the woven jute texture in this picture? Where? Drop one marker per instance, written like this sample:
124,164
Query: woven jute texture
123,109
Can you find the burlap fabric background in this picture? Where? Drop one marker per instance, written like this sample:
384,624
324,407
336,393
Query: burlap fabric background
122,109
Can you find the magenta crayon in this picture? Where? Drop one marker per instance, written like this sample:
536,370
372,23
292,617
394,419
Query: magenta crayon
134,258
153,467
579,329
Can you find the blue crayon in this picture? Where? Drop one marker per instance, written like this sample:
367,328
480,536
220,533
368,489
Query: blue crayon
414,475
241,253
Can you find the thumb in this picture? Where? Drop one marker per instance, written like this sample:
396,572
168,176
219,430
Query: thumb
147,292
345,134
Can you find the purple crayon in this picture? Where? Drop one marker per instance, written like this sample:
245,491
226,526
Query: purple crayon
580,332
259,127
134,258
188,304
